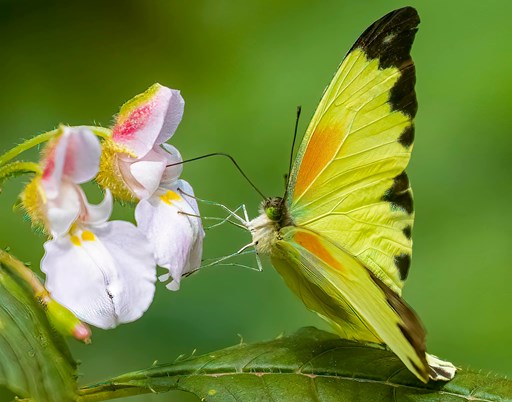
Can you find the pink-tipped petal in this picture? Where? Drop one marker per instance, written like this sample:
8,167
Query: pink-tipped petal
83,154
148,119
75,156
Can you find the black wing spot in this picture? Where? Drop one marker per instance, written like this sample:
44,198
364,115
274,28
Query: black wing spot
407,231
399,194
402,97
403,263
407,137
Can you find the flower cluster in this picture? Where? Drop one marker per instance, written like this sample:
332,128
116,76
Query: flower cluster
105,271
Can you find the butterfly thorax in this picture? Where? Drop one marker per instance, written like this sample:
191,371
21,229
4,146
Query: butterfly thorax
265,228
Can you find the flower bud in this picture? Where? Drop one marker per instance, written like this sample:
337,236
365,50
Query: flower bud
65,322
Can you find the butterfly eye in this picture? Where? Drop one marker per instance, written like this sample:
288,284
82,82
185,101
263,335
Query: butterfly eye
274,213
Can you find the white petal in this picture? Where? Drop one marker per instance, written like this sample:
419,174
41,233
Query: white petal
171,173
184,188
105,281
147,172
75,156
173,116
83,155
54,166
172,234
134,255
100,213
64,209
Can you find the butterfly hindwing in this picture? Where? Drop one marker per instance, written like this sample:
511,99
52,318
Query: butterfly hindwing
343,291
348,181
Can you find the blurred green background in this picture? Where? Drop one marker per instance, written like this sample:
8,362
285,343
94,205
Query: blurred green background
243,67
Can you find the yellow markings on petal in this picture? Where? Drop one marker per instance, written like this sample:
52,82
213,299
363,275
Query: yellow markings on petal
136,102
169,197
75,240
87,235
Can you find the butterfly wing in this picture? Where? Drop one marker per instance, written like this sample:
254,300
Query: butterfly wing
344,292
348,181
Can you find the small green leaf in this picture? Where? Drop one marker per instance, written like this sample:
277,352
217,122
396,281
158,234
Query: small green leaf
35,362
311,365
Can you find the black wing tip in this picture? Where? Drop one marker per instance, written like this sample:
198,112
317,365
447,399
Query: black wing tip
395,30
389,40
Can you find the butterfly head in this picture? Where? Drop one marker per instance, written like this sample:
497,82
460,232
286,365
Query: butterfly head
274,208
276,211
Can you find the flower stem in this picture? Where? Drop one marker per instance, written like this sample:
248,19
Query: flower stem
101,132
24,273
38,139
18,167
26,145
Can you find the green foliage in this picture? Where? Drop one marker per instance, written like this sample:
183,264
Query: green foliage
310,365
34,360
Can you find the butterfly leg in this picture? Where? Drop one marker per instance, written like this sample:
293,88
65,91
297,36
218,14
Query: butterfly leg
231,213
227,218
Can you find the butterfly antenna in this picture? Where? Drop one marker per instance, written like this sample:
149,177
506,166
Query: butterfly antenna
231,159
299,109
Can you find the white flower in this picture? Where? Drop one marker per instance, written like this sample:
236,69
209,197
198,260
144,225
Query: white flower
171,210
133,161
136,164
104,272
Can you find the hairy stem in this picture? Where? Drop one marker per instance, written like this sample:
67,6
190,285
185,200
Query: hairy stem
24,273
39,139
26,145
18,167
100,131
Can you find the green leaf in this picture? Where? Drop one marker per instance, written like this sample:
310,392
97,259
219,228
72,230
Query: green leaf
311,365
35,361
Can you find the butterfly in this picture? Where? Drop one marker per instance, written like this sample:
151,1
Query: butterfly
341,237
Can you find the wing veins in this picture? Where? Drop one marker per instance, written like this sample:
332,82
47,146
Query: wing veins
349,305
352,183
365,89
349,133
363,151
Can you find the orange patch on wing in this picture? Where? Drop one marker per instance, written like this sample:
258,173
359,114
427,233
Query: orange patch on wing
321,149
313,244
